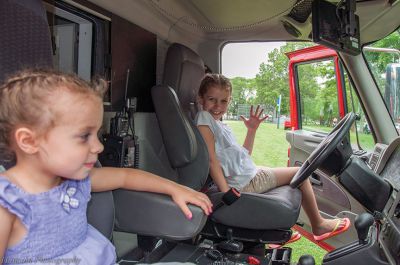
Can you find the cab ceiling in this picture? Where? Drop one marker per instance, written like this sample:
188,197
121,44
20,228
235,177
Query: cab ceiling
243,20
224,14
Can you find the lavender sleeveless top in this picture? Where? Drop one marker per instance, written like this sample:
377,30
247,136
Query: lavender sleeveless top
56,223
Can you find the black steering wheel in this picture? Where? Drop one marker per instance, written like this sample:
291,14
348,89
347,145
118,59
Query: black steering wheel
323,150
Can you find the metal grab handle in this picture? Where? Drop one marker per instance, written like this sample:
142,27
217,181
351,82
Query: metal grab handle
315,180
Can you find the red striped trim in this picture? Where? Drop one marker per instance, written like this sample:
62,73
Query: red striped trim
310,237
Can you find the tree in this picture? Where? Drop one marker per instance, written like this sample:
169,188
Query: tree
317,84
243,92
317,87
317,81
272,79
379,60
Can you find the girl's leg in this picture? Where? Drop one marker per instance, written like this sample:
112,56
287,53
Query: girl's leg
319,225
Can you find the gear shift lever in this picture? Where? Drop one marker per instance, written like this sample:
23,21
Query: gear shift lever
306,260
230,244
362,223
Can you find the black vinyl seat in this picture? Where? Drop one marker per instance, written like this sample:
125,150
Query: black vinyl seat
264,217
28,43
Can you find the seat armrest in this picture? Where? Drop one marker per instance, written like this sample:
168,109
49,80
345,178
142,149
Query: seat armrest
153,214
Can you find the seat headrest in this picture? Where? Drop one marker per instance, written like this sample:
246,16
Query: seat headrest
26,35
183,71
26,42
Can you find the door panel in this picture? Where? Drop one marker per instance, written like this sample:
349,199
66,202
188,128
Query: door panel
318,101
302,143
330,196
306,140
332,199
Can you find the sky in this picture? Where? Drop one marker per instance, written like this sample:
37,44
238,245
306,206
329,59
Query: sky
244,59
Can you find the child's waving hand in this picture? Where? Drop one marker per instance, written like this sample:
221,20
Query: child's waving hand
255,118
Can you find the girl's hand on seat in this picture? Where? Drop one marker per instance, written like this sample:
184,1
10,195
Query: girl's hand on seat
183,195
255,118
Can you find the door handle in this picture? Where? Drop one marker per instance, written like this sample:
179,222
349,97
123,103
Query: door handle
315,180
319,135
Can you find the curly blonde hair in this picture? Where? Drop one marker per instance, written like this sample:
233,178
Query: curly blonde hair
26,99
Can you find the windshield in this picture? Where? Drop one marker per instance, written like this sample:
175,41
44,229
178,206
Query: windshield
383,58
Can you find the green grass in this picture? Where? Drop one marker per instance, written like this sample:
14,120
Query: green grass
270,146
270,149
304,246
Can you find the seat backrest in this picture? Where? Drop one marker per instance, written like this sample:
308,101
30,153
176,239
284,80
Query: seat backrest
175,107
186,150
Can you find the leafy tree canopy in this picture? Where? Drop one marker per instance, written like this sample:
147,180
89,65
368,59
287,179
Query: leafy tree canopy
318,94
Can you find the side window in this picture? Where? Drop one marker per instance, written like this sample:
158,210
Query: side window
318,96
361,135
383,58
72,41
80,42
324,99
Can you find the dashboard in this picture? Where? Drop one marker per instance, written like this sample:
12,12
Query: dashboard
385,160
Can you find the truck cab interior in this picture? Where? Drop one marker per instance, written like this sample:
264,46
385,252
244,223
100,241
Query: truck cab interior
154,55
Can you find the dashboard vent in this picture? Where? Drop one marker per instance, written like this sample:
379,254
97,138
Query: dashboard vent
374,159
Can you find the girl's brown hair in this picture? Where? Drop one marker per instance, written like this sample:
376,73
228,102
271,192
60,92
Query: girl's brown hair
27,97
211,80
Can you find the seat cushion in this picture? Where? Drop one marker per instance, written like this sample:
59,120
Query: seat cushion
276,209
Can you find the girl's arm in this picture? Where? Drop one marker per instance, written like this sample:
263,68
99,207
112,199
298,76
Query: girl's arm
249,140
108,178
252,124
215,166
7,220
